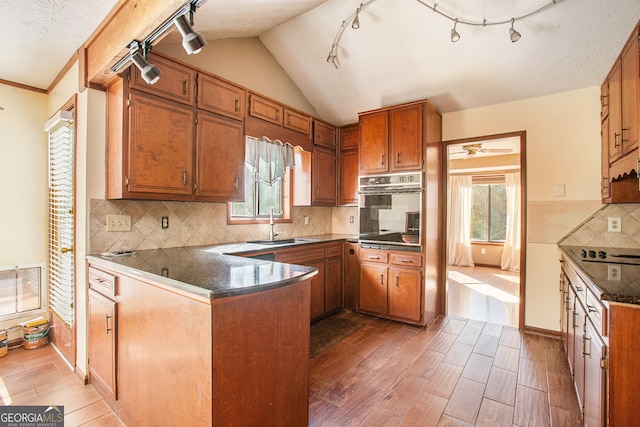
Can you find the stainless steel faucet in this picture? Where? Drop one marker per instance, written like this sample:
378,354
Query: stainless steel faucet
272,235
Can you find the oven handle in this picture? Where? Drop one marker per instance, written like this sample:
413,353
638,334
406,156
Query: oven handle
389,192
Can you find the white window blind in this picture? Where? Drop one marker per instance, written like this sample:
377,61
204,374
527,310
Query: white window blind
61,154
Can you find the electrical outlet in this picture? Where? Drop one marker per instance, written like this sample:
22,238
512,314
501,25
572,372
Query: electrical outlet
306,219
351,219
165,222
118,222
615,224
483,251
614,272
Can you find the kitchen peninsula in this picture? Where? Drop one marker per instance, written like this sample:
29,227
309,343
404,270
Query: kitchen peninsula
189,336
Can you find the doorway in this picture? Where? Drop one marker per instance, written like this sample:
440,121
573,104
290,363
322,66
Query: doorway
484,180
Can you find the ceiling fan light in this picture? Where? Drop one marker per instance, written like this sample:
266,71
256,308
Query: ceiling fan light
150,73
514,35
192,41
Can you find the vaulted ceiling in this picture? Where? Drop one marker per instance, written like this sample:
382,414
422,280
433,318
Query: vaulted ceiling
401,52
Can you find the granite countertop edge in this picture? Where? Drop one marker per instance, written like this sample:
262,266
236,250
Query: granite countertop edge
218,259
605,294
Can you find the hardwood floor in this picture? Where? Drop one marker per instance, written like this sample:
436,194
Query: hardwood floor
456,372
486,294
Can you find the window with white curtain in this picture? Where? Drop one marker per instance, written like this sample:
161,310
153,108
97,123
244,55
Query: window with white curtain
60,130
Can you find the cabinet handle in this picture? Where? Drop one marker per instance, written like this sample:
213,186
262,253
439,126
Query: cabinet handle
106,318
573,320
184,178
602,98
397,158
381,279
237,105
578,289
591,308
382,159
561,285
185,88
289,119
374,257
584,346
277,115
237,183
604,182
396,281
406,260
615,139
622,134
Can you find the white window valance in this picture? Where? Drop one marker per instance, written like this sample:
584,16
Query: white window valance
268,159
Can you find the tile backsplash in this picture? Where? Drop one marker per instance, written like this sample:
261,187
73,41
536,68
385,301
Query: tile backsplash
594,231
196,223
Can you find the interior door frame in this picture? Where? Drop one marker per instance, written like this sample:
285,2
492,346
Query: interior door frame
523,209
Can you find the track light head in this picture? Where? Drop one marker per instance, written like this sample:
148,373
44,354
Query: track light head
150,73
355,24
192,41
455,36
513,34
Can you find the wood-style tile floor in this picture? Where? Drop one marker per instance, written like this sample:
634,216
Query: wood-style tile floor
456,372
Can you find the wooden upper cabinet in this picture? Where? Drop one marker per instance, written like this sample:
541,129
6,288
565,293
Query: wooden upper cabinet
219,158
324,134
405,145
630,97
349,137
297,121
615,112
323,177
348,178
373,149
160,147
176,83
604,100
220,97
265,109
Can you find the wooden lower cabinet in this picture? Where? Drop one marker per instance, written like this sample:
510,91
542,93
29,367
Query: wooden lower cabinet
595,351
390,289
102,336
188,360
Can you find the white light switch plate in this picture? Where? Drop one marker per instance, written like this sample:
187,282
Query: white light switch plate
614,224
118,222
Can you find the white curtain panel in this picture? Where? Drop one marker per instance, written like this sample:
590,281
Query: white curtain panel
511,254
268,159
459,198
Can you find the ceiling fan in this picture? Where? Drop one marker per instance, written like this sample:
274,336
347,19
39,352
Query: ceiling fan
472,149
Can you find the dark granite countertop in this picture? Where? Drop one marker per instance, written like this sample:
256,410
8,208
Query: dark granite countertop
213,271
624,290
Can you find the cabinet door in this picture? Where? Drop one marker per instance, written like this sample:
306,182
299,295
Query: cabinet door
351,274
323,177
317,289
332,284
571,331
324,134
265,109
350,137
594,378
605,184
629,95
404,293
373,288
102,341
297,121
348,178
160,147
374,143
615,113
564,310
220,158
176,82
220,97
406,138
578,371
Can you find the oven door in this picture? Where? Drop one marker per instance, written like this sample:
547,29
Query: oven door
391,218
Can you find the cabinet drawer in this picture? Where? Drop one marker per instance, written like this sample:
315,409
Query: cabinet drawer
597,312
265,109
176,81
374,255
298,256
297,121
333,250
406,258
220,97
102,282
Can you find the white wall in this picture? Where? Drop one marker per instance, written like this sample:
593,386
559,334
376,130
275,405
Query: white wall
563,147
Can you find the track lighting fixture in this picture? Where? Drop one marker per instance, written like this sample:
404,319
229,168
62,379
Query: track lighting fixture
150,73
513,34
192,41
355,24
455,36
354,19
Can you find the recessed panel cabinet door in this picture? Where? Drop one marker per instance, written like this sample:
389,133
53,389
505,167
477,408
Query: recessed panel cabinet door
404,293
220,158
102,338
374,143
317,289
333,284
161,147
406,138
323,177
373,288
